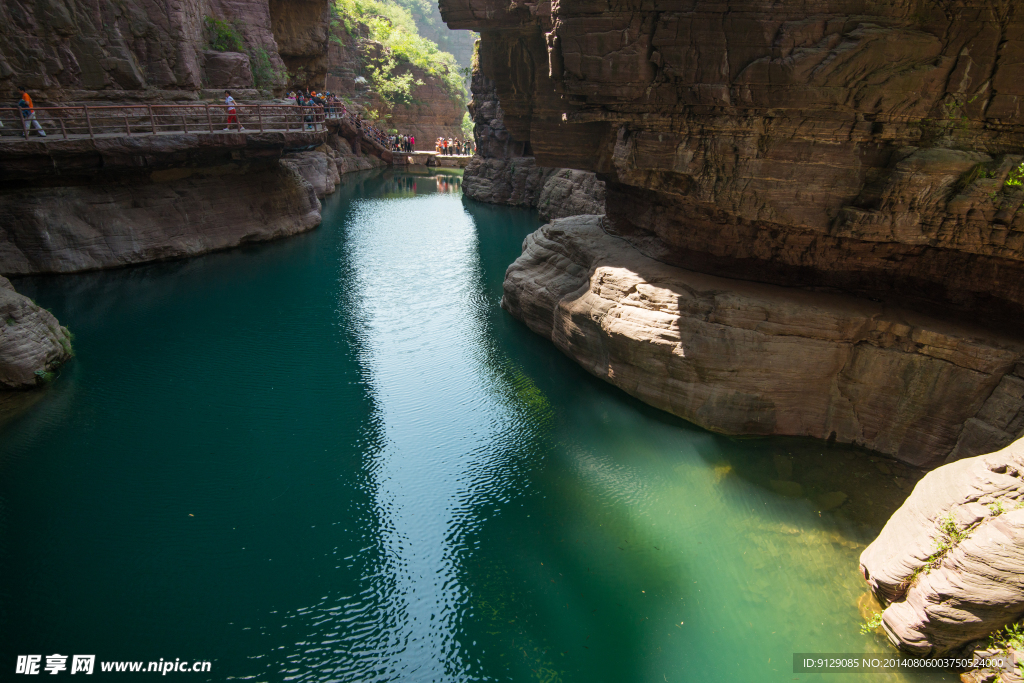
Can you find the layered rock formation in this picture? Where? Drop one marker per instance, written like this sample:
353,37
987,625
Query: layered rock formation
32,342
947,565
81,204
82,49
872,148
570,193
502,172
164,214
831,366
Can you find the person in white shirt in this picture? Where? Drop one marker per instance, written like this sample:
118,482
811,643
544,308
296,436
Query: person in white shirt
232,114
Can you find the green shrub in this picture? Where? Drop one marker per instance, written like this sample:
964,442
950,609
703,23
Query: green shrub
393,26
223,36
1016,177
264,75
871,624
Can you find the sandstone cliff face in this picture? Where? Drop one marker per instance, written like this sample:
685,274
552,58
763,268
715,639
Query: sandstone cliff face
32,342
947,565
169,214
861,145
159,197
500,173
825,365
570,193
82,49
872,148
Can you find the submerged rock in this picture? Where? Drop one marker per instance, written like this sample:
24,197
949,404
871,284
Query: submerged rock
948,564
32,342
790,489
740,357
830,501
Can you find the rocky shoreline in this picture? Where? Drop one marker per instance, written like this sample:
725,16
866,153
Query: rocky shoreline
169,211
946,567
739,357
32,343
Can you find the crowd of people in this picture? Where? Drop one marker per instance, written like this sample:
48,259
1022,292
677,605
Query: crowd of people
452,147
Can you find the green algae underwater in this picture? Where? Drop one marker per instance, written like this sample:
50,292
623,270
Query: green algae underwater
335,458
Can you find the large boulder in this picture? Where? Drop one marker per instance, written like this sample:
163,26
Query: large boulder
948,565
32,342
227,69
317,167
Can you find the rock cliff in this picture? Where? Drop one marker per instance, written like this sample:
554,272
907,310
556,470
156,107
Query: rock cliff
502,172
947,565
186,196
863,147
32,342
84,49
744,357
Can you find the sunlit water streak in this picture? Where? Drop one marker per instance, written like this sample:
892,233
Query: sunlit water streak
335,458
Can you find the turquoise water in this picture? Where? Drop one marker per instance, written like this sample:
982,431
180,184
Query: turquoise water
334,457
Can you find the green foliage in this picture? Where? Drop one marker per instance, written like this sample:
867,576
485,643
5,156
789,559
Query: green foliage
264,75
954,111
1016,177
393,88
871,624
45,376
467,125
223,36
1010,637
10,320
950,534
996,508
393,26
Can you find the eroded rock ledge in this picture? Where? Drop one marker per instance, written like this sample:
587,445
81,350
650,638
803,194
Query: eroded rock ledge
32,342
745,358
947,566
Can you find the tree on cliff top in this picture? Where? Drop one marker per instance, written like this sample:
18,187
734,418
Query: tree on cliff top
393,26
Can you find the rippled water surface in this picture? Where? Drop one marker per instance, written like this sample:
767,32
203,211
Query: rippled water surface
334,457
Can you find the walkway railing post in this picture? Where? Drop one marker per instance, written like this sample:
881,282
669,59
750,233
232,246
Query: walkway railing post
184,123
152,121
259,115
209,119
127,128
63,131
88,120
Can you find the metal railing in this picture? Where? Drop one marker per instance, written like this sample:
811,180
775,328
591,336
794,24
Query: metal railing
89,121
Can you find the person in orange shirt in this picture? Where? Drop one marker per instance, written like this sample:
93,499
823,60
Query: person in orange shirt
28,113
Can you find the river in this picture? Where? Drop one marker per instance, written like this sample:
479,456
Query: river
334,457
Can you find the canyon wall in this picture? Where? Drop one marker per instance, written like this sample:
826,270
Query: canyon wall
503,172
87,49
865,148
79,205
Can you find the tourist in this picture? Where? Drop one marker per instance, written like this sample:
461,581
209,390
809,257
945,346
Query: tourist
232,113
412,143
28,113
